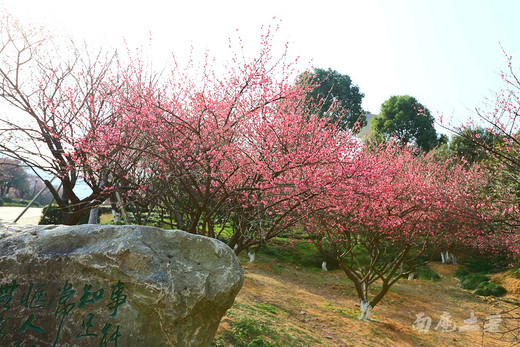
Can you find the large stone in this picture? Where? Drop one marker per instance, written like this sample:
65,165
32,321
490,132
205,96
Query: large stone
96,285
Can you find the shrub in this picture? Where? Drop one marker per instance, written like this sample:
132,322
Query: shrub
490,288
315,260
52,215
1,202
480,265
105,209
425,273
472,281
461,273
301,253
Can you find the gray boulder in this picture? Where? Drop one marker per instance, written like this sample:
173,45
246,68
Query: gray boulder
96,285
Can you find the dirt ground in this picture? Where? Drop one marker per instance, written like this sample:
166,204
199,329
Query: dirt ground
309,303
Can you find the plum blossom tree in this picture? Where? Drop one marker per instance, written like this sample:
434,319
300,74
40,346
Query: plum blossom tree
499,118
495,131
213,148
295,161
394,207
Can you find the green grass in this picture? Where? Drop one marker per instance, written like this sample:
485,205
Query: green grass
247,332
268,308
345,312
263,324
297,252
17,202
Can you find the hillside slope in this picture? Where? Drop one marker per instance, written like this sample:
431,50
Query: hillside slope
288,305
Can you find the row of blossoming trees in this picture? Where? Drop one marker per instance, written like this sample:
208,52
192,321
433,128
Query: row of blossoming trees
241,150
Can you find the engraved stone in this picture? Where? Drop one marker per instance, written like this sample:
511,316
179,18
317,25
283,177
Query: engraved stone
97,285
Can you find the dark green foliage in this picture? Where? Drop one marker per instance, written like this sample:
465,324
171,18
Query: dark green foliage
461,273
246,333
315,260
473,144
404,119
52,215
472,281
8,201
336,87
105,209
472,276
480,265
425,273
301,252
1,202
490,288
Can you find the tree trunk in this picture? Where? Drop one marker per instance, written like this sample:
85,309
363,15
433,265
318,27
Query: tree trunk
365,310
324,266
93,217
116,216
71,218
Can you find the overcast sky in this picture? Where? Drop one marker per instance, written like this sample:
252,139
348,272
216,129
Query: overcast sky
446,53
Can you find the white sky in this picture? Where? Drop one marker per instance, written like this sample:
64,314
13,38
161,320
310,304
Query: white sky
446,53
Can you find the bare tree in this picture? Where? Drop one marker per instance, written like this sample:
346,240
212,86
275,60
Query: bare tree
53,95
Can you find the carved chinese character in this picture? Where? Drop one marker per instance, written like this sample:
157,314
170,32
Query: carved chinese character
6,294
88,297
36,299
64,307
2,326
117,298
492,323
105,339
28,324
86,325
